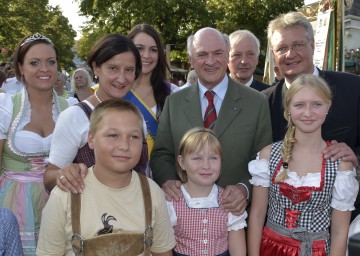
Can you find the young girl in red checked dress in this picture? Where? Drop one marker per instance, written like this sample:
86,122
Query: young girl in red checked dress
201,225
303,192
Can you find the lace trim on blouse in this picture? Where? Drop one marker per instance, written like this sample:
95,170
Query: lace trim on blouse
23,118
345,186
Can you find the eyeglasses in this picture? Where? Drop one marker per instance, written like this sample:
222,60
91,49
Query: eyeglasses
295,47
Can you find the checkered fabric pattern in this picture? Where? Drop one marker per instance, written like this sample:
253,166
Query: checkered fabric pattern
200,231
316,212
85,154
10,243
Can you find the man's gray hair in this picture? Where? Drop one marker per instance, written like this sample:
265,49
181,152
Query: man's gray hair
191,75
239,35
289,20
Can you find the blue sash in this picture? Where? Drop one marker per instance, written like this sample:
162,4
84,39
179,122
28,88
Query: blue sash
150,118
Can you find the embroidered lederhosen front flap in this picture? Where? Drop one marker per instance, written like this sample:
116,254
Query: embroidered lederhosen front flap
124,243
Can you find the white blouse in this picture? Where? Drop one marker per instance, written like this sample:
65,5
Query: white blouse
70,134
345,187
211,201
24,141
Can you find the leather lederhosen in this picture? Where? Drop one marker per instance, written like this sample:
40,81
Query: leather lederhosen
121,243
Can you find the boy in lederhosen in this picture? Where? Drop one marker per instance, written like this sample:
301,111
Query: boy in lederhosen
120,212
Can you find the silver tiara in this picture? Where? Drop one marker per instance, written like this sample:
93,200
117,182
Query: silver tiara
34,37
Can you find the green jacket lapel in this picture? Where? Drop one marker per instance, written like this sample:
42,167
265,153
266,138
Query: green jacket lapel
192,108
230,108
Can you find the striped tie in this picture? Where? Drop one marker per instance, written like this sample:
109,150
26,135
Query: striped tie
210,112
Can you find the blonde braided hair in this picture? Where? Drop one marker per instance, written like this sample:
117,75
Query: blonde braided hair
286,149
323,90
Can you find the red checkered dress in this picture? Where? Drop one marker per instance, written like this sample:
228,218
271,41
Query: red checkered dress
200,231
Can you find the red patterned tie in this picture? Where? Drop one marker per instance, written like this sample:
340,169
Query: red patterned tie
210,112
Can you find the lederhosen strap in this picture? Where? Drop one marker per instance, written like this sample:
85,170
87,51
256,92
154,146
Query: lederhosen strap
78,242
148,234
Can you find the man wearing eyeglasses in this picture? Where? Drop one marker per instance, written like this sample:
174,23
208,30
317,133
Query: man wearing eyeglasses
292,41
244,57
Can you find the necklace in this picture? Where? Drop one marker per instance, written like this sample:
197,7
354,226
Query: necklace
97,97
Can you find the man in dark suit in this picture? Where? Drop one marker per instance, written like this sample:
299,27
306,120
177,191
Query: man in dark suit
244,57
292,42
242,124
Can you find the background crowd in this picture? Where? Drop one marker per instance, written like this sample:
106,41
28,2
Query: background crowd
287,152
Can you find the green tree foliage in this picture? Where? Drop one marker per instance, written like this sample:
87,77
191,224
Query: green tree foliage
174,19
20,18
253,15
177,19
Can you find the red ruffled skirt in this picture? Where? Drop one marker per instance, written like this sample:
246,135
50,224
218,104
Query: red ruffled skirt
274,244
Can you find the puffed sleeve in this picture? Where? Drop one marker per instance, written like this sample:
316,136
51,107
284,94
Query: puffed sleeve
260,172
171,212
6,110
237,222
345,190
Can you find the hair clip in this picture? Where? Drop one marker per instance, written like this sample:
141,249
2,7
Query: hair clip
35,37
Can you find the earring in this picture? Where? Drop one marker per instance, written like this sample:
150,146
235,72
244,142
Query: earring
289,113
326,113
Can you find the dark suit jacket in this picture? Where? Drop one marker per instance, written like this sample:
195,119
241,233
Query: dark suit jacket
343,121
243,128
260,86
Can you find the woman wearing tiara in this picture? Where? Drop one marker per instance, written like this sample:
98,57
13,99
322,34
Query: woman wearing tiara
27,121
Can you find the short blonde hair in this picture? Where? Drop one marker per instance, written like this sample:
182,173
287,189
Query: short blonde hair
193,141
289,20
105,107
